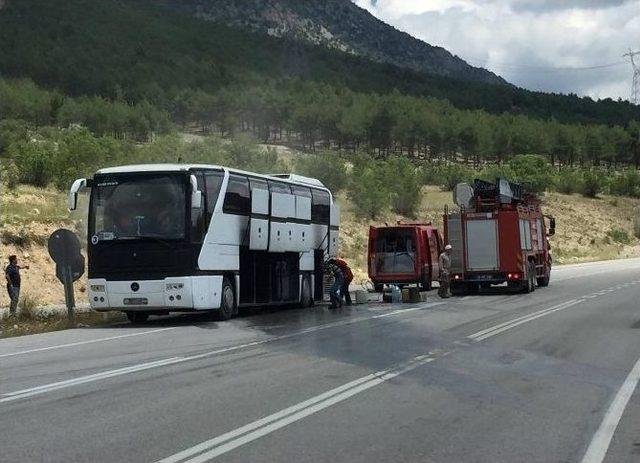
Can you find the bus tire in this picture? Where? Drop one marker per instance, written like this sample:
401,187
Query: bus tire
137,317
306,299
227,302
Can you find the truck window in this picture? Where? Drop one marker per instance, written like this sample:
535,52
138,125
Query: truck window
395,251
237,199
320,204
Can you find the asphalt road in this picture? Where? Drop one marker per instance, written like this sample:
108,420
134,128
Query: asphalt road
545,377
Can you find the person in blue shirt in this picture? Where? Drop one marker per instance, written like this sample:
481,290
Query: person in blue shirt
12,274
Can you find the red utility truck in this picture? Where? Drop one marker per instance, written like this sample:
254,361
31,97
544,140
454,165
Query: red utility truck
403,254
499,234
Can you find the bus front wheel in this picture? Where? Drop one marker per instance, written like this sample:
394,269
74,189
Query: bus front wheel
227,302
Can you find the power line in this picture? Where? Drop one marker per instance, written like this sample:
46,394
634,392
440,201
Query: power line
486,63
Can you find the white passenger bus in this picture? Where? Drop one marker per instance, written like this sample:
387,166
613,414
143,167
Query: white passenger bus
175,237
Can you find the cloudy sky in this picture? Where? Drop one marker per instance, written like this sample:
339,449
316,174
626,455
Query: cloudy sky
537,44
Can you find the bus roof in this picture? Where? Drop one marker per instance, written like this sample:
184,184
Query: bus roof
134,168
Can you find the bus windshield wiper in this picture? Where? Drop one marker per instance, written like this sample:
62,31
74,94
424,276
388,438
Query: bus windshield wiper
146,237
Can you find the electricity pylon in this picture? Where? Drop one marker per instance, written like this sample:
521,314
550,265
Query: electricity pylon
635,86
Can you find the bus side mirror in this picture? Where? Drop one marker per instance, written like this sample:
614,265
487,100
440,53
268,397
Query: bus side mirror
196,195
76,186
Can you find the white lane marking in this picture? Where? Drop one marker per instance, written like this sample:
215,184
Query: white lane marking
224,443
24,393
80,343
497,329
601,440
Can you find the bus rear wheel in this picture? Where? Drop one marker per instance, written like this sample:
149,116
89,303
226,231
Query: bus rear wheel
227,302
137,317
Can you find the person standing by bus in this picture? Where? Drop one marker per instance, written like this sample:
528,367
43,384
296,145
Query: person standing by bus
335,293
12,274
348,278
444,262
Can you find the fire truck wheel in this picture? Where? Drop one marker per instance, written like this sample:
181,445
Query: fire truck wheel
305,297
378,288
544,281
137,317
227,303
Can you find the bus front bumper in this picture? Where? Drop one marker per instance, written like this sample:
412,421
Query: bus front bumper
177,293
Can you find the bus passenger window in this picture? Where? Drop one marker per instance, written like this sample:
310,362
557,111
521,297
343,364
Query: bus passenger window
320,207
237,200
214,182
279,187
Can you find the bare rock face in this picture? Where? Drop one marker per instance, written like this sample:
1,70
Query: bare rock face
336,24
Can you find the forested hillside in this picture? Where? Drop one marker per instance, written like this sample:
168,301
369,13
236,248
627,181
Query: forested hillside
337,24
135,50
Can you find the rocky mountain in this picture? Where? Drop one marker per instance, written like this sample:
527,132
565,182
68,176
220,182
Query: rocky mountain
337,24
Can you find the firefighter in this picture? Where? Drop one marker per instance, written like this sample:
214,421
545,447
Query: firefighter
444,262
335,293
348,278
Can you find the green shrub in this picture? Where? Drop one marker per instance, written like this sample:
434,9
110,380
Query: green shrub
446,176
625,184
568,181
593,183
619,235
494,171
369,189
9,175
327,167
34,160
405,186
243,153
533,171
636,223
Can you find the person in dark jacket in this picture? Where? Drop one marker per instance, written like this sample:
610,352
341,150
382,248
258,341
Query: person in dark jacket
338,282
348,278
12,275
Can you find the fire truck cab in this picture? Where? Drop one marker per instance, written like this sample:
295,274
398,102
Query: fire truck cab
499,234
403,254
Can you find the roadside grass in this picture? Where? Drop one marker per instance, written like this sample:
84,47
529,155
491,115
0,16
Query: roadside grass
28,204
34,321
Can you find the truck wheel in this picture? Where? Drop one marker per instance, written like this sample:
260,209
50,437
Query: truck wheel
378,288
458,289
305,294
137,317
544,280
228,302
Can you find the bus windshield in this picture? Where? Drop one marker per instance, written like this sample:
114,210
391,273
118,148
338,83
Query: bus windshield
137,207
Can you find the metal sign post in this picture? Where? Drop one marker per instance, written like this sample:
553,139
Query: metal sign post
64,249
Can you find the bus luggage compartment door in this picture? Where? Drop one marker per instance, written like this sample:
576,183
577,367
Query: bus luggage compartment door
259,226
283,207
302,229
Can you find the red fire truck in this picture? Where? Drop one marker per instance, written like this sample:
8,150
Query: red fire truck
403,254
499,234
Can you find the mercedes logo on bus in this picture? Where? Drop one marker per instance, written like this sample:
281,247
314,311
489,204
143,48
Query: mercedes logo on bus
135,287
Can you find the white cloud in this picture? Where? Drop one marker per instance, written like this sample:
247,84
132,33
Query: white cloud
526,41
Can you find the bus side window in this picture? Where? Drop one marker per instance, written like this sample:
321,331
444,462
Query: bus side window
198,218
237,199
320,207
258,184
213,181
279,187
301,191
